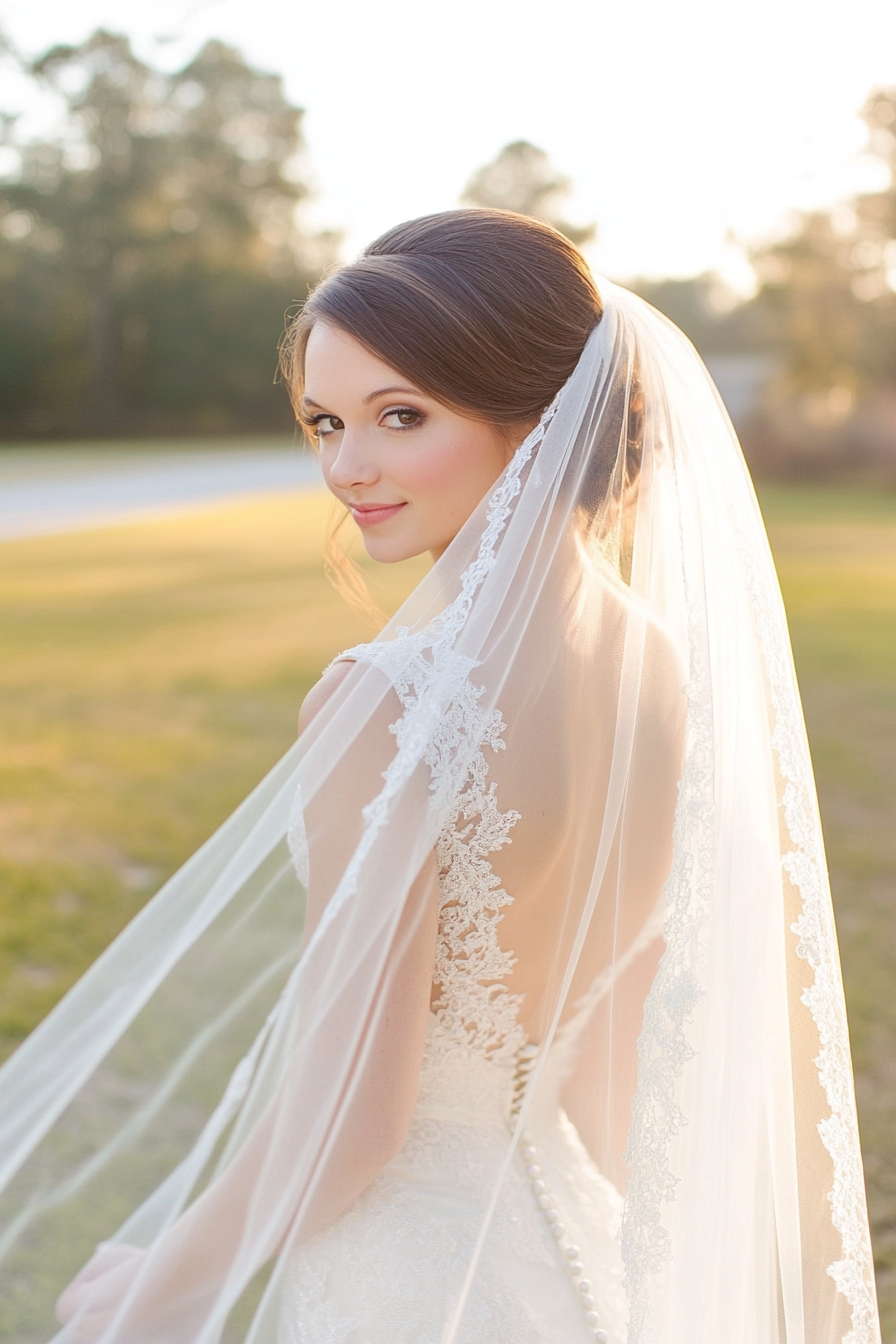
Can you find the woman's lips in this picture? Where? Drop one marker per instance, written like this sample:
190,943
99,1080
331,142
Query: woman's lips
368,515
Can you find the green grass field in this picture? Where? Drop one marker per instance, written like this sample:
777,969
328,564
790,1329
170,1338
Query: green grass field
150,674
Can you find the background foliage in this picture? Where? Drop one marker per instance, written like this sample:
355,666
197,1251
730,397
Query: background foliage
152,243
522,178
149,249
824,311
818,336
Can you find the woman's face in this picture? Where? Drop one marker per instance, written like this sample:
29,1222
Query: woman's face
410,470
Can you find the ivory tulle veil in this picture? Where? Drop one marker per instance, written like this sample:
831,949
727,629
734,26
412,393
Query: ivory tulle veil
587,708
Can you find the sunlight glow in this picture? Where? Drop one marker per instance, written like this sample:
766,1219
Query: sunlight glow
688,129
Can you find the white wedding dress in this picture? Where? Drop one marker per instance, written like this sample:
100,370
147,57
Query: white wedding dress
391,1269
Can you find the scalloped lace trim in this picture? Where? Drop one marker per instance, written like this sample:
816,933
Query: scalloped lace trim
807,869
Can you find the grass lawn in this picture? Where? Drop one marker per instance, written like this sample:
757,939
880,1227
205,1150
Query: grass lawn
150,674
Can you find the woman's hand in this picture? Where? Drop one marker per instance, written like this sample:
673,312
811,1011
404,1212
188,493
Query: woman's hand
96,1292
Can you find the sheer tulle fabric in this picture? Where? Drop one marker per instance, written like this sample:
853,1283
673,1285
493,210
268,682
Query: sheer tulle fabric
510,1002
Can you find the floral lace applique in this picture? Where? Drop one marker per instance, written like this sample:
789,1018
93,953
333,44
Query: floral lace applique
473,1004
474,1007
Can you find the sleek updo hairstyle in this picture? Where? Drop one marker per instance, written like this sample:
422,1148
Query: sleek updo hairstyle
484,310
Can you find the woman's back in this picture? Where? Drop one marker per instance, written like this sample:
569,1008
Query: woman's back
561,705
506,922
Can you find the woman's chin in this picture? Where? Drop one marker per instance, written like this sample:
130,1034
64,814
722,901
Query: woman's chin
392,550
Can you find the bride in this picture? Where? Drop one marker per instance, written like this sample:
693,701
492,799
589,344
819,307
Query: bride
507,1010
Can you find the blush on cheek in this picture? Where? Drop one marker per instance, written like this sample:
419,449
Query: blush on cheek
439,471
458,471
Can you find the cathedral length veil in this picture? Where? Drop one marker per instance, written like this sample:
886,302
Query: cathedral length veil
607,635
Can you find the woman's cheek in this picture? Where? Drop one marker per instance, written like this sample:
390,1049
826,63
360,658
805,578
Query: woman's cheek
436,472
454,474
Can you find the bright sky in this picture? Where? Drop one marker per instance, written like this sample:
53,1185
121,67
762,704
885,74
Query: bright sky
681,122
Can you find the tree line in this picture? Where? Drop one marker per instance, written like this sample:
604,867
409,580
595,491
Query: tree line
824,313
150,249
818,336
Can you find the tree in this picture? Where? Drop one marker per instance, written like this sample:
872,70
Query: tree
828,287
708,312
151,248
874,254
807,290
827,294
522,178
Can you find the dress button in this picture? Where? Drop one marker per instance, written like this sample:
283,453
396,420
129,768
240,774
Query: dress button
538,1187
592,1318
587,1301
602,1337
572,1252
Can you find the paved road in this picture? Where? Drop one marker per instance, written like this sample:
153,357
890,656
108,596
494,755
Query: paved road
45,490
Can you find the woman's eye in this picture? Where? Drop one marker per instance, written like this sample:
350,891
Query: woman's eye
403,417
327,424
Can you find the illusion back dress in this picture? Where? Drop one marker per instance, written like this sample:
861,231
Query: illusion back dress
392,1268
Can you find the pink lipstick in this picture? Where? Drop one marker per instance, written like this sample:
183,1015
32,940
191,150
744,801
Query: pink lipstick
368,515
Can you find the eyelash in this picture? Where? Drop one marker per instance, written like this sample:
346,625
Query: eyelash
404,410
313,422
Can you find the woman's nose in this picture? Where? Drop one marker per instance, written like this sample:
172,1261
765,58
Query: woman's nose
351,464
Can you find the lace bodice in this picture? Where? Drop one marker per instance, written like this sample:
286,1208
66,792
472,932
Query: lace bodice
477,1059
474,1011
474,1007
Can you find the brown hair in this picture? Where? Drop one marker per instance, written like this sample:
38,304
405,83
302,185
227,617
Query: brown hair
485,311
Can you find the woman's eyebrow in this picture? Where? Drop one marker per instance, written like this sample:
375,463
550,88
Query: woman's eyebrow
310,404
371,396
381,392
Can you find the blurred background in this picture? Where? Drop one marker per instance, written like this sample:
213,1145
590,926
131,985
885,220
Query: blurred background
173,178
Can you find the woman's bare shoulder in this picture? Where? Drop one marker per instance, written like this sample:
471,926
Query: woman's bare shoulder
322,690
